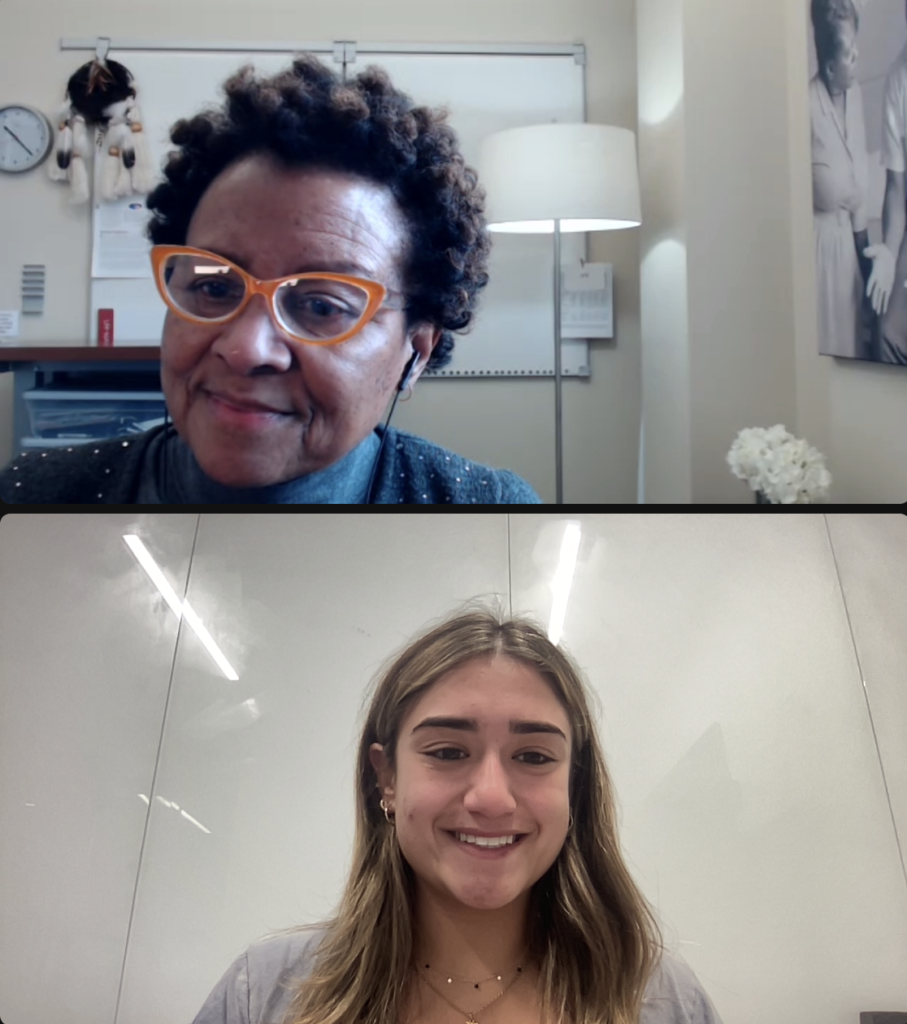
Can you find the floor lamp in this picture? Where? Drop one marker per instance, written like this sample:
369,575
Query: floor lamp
560,177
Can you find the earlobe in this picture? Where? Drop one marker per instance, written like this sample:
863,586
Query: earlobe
409,373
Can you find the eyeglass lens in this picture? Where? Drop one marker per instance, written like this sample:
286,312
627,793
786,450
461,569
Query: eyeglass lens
317,309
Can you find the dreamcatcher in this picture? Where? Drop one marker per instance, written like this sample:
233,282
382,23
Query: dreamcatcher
101,98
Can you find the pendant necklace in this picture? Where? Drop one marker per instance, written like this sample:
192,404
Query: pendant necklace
471,1015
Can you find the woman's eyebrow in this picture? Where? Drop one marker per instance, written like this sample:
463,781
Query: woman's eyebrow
471,725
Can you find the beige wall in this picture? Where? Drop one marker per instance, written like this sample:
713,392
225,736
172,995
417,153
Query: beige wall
727,299
601,416
663,251
716,300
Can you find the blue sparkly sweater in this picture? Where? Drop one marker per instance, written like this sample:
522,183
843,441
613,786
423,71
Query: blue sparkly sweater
127,471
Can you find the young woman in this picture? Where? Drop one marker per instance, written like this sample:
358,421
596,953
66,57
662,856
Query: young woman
487,882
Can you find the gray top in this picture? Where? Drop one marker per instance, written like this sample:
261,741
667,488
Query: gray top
132,471
257,987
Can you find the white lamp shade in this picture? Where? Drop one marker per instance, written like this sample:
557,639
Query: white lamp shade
583,175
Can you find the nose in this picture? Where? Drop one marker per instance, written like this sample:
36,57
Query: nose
489,793
254,340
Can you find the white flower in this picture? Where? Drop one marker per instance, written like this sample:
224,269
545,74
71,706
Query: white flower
784,468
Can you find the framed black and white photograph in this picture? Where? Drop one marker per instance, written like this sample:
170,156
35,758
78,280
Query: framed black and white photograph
858,117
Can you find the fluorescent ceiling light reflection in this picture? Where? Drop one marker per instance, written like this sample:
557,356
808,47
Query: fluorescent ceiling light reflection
563,580
181,609
174,807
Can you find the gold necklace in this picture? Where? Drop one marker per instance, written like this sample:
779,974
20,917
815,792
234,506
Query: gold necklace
471,1014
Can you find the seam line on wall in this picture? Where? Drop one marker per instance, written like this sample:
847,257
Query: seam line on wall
894,823
157,761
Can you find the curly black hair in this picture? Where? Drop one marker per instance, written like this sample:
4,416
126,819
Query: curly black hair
307,116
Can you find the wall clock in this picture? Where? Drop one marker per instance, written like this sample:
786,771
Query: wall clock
26,138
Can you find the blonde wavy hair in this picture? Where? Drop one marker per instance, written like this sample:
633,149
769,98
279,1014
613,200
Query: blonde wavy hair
595,938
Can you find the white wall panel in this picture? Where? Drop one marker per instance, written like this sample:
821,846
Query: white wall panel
305,608
86,649
755,814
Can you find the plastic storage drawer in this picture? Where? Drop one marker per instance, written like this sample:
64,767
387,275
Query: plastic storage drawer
89,415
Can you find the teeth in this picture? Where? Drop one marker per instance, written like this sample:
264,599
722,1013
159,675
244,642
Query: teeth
481,841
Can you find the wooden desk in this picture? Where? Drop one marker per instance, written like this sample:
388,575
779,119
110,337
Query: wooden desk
75,353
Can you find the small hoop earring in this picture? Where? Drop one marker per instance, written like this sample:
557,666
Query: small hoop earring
410,390
385,808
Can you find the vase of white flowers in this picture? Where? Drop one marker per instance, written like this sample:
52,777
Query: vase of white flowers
781,469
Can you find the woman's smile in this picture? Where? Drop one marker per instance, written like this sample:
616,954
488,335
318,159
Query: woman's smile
246,417
473,846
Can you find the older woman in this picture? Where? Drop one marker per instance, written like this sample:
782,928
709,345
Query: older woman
844,260
316,244
487,880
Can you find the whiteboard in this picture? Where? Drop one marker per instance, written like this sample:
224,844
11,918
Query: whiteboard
513,330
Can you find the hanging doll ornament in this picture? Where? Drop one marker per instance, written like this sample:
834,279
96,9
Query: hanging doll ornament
101,96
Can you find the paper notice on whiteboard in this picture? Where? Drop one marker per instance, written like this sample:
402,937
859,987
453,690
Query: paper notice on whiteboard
121,248
587,301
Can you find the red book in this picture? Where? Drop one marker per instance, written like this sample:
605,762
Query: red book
105,328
